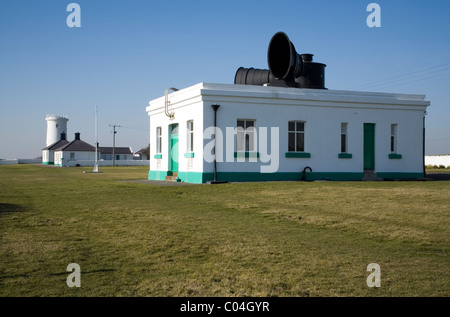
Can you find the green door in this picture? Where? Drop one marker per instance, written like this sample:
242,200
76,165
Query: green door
369,146
174,148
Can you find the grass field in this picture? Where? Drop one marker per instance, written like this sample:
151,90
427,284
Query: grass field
247,239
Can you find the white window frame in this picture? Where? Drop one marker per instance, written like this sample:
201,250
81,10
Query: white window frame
190,136
246,136
296,132
158,140
344,137
393,138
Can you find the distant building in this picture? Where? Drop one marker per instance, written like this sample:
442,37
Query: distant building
143,154
48,153
77,150
120,153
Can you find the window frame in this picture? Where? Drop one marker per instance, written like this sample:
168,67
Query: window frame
158,140
393,138
248,144
296,132
190,136
344,137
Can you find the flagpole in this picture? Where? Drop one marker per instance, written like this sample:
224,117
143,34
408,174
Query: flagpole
96,143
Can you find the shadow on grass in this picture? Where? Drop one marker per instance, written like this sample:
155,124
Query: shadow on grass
7,208
84,272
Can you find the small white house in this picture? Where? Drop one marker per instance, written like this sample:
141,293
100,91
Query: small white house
276,133
77,150
48,153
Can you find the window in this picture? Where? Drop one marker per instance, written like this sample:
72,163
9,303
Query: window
344,137
158,139
72,156
190,136
246,135
393,138
296,136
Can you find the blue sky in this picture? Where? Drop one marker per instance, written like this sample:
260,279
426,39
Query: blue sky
128,52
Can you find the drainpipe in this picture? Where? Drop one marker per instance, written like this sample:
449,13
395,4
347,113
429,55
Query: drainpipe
215,107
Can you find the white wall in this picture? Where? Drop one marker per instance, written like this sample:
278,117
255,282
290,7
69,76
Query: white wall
437,160
9,162
186,108
322,110
106,163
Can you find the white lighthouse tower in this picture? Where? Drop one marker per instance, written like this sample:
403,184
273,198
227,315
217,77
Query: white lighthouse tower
55,126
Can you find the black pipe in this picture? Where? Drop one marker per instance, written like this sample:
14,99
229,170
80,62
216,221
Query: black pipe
287,68
304,172
215,107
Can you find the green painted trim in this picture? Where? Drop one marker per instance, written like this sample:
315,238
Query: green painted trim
157,175
189,155
199,177
191,177
158,156
394,156
246,154
393,175
345,155
48,163
297,154
287,176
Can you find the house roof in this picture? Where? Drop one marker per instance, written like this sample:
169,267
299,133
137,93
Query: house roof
56,145
144,150
117,150
77,145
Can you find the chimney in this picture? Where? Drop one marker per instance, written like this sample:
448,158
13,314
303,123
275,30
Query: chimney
77,136
63,136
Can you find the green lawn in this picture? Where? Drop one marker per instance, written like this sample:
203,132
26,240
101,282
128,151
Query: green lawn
248,239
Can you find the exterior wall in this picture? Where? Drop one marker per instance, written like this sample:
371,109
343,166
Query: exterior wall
323,111
188,106
48,157
9,162
121,157
106,163
438,160
62,158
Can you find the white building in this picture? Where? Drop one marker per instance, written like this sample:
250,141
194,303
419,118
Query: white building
77,150
339,135
48,153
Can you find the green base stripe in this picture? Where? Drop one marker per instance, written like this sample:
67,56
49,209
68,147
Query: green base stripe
264,177
189,155
345,155
158,156
393,175
157,175
199,177
48,163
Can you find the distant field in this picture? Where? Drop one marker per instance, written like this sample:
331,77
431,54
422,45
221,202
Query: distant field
248,239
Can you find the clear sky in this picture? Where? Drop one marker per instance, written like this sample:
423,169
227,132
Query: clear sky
128,52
